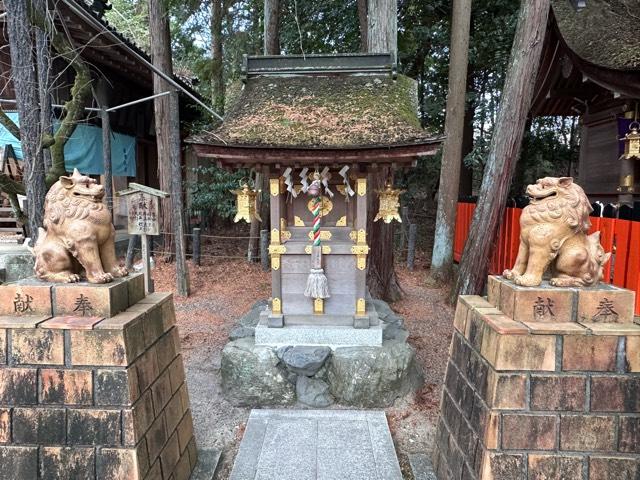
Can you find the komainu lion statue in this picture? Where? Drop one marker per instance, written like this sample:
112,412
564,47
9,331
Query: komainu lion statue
78,237
553,233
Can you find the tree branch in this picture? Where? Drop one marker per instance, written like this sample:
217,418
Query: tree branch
9,124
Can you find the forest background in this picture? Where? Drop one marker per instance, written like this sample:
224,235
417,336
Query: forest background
209,39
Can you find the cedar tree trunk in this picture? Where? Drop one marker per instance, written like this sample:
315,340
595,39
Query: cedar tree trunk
217,73
505,146
381,276
271,27
382,27
362,21
159,38
26,88
442,256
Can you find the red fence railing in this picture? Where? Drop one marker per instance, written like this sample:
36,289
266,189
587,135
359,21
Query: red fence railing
621,237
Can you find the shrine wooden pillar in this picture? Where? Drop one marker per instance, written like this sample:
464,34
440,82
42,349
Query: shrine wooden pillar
361,250
276,249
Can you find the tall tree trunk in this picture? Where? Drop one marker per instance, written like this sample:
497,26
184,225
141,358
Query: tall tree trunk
382,280
272,27
43,61
381,276
442,256
466,173
362,21
217,72
159,38
382,27
26,88
177,202
505,145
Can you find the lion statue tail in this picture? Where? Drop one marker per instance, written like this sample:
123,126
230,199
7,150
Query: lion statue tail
597,259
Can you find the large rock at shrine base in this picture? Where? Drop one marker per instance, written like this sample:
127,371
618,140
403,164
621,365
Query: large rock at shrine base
373,377
304,360
251,376
313,392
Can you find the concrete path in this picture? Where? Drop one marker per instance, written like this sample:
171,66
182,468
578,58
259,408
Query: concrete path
316,445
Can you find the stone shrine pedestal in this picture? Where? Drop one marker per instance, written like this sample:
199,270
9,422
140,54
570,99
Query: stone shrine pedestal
92,380
541,383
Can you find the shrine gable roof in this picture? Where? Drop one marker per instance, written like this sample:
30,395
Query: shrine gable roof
331,107
602,32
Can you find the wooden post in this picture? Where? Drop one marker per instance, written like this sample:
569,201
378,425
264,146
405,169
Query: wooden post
106,157
196,246
411,252
277,207
133,240
264,249
146,264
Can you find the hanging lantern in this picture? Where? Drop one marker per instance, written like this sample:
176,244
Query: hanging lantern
246,204
632,142
389,204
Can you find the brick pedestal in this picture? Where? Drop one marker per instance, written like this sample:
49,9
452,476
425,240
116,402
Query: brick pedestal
92,384
553,396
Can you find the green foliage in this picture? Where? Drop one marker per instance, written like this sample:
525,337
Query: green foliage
131,18
210,193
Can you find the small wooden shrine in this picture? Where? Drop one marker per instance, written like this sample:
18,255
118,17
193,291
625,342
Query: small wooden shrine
316,126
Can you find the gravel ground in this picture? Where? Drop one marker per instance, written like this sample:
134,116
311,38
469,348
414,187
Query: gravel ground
223,290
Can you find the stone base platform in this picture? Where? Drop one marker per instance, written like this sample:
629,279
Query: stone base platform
316,445
92,383
538,398
318,370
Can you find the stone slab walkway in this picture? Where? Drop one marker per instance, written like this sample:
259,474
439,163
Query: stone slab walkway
316,445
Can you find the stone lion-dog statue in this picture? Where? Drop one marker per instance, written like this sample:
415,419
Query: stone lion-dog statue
78,238
553,234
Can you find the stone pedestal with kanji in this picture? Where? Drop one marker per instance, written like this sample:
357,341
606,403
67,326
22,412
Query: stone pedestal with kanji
92,383
541,382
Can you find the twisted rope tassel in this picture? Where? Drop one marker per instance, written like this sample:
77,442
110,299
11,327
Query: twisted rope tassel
317,283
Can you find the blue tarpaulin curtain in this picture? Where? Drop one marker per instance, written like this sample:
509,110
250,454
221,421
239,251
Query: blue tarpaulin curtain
83,150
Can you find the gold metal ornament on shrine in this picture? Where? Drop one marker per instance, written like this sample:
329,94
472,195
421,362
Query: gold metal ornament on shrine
246,203
632,142
389,204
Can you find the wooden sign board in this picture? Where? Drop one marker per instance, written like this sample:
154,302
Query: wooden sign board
143,214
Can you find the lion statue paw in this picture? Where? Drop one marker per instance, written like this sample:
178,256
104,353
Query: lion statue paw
118,272
526,280
508,274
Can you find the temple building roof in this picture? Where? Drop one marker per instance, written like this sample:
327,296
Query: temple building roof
603,32
322,111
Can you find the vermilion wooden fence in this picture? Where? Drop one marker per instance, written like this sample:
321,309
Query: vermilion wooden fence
621,237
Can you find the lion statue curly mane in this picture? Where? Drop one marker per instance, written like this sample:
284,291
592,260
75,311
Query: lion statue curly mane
553,234
78,237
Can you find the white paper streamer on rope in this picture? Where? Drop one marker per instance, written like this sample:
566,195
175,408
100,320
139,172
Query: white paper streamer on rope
303,180
343,173
324,178
289,182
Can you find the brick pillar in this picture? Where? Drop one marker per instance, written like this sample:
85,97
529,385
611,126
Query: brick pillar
552,395
92,380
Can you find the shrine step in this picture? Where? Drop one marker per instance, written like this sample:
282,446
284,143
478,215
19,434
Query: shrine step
316,445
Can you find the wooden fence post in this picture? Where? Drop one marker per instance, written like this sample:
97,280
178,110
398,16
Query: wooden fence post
411,253
196,246
131,251
264,249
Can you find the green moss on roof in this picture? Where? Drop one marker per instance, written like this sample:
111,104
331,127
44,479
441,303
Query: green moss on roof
605,32
327,111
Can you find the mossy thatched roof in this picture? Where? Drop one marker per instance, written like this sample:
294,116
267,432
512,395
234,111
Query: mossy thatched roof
321,111
604,32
